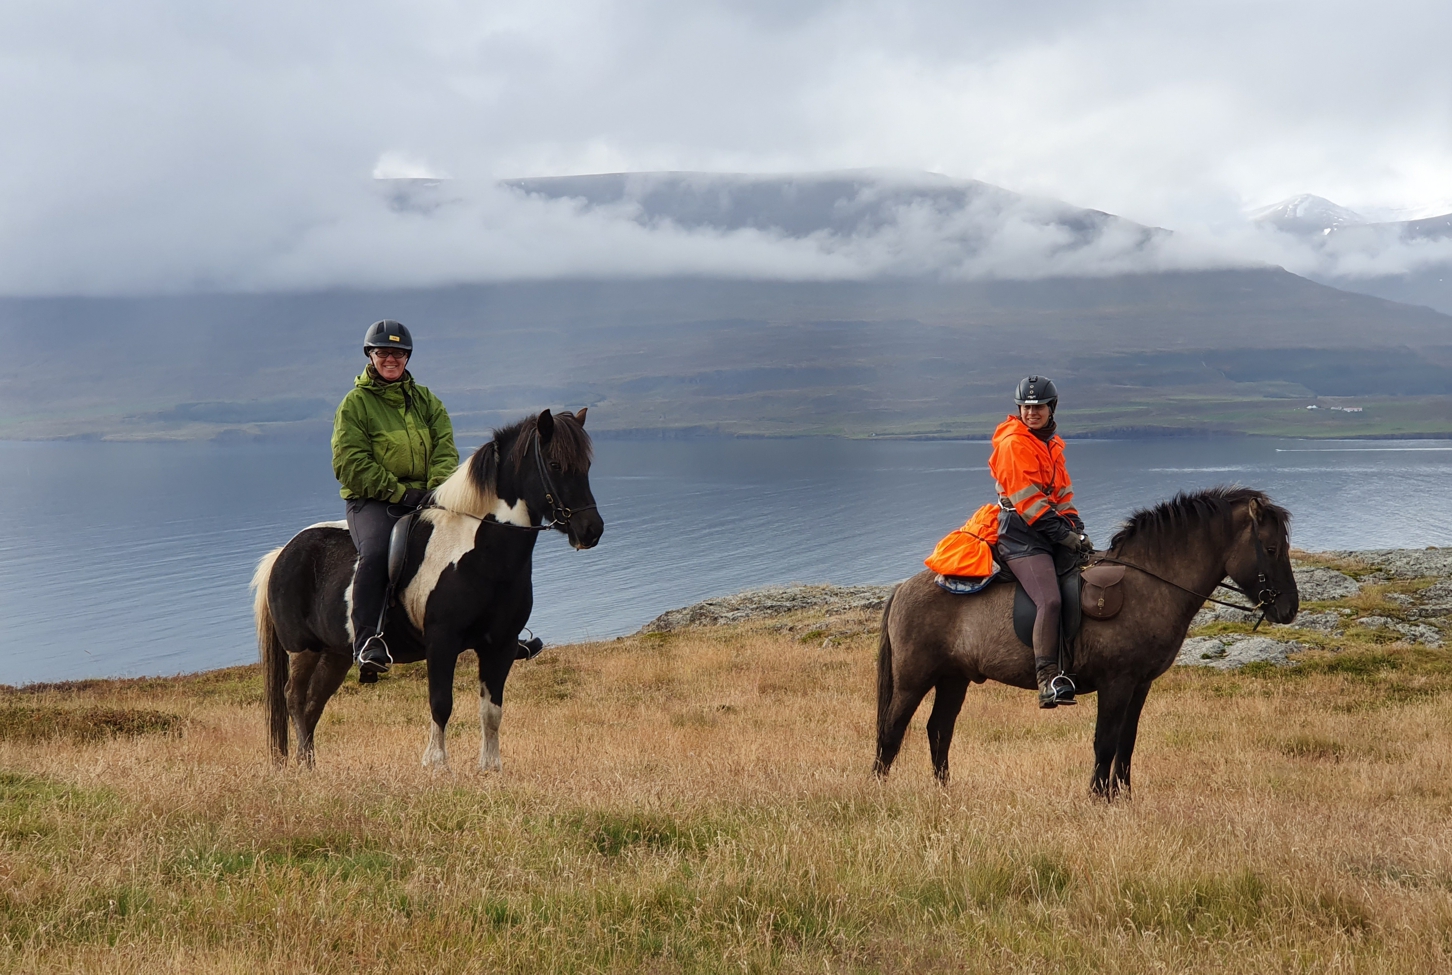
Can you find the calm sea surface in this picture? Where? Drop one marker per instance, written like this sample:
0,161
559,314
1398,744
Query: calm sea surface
132,559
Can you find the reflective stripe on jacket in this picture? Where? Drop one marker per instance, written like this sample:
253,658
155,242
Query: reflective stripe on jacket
388,437
1030,473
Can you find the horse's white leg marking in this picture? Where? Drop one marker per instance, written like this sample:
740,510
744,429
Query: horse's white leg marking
489,717
517,514
452,538
435,755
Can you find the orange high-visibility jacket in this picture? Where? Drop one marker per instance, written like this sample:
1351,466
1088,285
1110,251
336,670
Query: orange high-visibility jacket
1031,475
1029,472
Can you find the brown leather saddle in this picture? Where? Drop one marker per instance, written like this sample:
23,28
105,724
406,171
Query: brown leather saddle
1093,592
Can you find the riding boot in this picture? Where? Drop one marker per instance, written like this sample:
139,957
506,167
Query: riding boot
1055,687
529,649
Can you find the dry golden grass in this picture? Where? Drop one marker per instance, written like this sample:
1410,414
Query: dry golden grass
702,802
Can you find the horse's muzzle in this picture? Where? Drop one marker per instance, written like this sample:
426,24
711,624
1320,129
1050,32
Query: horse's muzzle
1284,609
585,529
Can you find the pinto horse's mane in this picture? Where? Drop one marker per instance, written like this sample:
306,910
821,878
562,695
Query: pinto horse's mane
1168,520
471,489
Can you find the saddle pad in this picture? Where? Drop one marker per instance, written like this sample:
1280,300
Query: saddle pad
1102,598
963,585
1024,610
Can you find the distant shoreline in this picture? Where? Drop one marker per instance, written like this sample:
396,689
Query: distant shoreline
229,438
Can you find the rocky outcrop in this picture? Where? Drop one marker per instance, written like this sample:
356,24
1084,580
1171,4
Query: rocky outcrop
1379,614
775,601
1230,652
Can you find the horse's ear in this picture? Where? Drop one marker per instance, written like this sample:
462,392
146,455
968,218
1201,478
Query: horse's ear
546,426
1254,508
580,415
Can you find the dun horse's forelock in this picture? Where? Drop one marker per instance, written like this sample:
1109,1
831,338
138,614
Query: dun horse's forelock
1168,519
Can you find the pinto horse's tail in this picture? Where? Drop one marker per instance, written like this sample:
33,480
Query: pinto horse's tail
274,659
884,682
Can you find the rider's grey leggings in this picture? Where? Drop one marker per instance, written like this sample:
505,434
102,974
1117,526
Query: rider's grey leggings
1036,572
370,522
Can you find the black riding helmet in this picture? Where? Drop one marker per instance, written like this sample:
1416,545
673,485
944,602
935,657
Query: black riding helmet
1037,391
387,334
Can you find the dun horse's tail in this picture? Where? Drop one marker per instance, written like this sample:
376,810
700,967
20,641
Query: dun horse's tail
274,659
884,675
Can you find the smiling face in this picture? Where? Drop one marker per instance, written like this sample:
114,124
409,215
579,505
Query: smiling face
1035,417
388,363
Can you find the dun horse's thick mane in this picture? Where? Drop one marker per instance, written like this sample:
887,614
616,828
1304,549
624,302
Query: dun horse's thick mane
471,489
1186,510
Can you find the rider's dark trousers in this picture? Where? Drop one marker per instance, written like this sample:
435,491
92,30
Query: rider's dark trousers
1041,582
370,523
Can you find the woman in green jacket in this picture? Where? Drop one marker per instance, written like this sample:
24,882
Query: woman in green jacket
392,444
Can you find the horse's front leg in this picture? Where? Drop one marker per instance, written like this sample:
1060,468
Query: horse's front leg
442,656
947,702
495,660
1114,700
1129,730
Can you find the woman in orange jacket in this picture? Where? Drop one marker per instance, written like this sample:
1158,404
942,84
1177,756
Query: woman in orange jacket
1036,514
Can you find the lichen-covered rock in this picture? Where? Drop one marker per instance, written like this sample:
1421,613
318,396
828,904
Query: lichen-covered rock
1405,563
1315,584
1320,622
1411,632
1234,651
774,601
1435,600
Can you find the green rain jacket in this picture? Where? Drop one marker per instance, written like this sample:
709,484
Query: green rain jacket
391,436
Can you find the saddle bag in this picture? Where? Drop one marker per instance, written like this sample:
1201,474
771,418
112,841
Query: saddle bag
1101,598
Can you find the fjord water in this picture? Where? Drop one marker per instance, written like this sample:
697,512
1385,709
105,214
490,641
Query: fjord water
133,559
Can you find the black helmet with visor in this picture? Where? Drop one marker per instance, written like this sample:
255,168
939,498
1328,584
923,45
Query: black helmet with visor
1037,391
387,334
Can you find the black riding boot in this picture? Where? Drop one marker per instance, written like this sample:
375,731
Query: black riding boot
529,649
1055,688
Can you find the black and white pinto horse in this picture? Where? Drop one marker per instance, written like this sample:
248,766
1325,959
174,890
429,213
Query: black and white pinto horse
466,584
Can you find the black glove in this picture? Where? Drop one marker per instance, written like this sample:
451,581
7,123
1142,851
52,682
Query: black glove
413,497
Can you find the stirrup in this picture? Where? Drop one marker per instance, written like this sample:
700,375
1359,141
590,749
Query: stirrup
529,649
374,657
1060,689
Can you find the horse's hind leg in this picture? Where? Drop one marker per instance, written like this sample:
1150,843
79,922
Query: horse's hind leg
310,686
905,700
1129,730
946,704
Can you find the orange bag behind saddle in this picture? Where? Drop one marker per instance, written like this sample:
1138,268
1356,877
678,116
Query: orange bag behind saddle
968,551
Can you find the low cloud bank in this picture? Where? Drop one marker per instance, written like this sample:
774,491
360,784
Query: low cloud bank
420,232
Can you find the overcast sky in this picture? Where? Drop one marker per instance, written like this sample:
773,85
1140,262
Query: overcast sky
155,147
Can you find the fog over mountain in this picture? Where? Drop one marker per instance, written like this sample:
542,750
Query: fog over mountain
1403,260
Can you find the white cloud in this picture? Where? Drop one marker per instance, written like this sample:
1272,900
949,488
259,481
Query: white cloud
158,146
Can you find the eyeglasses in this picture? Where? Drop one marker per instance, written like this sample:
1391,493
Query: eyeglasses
389,353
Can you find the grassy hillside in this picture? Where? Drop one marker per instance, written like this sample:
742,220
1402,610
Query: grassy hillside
1229,351
700,802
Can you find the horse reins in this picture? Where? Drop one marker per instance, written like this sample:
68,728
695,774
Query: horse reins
1263,597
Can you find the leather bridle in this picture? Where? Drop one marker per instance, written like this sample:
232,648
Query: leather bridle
1265,594
559,512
